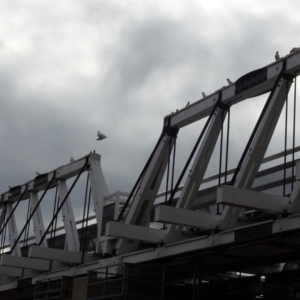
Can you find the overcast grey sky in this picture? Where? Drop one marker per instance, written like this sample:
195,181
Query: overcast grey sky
70,68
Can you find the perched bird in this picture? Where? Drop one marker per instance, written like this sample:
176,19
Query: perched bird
176,110
277,56
37,173
295,49
188,104
101,136
203,95
229,81
72,159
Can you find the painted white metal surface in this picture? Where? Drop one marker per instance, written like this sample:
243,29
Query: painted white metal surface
13,231
72,237
185,217
10,272
25,262
38,223
257,149
251,199
134,232
196,175
142,203
55,254
99,191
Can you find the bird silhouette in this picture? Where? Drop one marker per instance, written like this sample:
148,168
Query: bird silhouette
72,159
101,136
188,104
277,56
203,95
295,49
229,81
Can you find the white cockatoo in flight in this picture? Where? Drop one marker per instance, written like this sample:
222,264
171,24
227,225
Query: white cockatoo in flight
101,136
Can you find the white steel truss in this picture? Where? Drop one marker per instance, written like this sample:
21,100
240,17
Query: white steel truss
177,228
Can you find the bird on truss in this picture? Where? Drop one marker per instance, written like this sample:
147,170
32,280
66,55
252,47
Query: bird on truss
188,104
203,95
295,49
277,56
72,159
101,136
229,81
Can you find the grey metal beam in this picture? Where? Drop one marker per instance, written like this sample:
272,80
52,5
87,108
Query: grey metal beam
202,108
10,272
133,232
24,262
251,199
55,254
99,191
184,217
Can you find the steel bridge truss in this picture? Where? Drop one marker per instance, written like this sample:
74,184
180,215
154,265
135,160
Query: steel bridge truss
191,245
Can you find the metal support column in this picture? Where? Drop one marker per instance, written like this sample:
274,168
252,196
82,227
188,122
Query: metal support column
72,237
13,232
99,191
38,223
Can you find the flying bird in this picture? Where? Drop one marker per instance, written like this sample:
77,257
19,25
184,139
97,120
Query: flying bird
72,159
101,136
229,81
277,56
203,95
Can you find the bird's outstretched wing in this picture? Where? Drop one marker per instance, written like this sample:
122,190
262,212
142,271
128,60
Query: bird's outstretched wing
101,136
